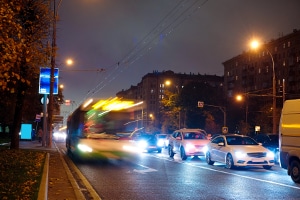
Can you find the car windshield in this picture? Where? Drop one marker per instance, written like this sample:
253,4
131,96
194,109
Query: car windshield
238,140
194,136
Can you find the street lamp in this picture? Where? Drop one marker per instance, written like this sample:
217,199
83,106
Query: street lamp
254,45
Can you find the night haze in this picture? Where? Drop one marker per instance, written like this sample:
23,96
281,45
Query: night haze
114,43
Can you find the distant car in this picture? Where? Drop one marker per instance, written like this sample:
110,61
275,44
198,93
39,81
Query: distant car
187,142
270,141
162,140
148,142
59,136
238,150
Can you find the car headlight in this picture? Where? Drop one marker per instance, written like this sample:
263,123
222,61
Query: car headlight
84,148
143,144
270,154
160,142
189,146
240,154
205,148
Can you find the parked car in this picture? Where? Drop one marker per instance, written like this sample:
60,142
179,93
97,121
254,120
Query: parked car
270,141
238,150
187,142
148,142
162,140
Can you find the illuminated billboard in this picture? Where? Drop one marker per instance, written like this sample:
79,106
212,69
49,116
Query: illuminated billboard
44,87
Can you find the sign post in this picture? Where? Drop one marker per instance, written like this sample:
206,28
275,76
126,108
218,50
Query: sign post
44,88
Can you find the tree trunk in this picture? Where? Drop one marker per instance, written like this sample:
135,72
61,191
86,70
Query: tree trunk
16,127
17,120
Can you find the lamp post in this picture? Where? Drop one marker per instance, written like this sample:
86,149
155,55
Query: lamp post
255,45
53,56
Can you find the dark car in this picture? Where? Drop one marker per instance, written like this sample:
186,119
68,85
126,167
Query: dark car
270,141
148,142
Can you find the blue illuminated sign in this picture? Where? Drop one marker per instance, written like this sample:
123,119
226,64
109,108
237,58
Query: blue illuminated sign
44,87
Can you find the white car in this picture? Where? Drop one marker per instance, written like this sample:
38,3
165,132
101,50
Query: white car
238,150
188,142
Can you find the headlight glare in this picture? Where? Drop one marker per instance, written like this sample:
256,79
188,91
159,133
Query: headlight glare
240,154
84,148
270,154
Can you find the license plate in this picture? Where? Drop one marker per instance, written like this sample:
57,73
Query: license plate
257,160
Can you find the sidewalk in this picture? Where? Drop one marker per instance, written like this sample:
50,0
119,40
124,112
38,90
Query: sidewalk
59,184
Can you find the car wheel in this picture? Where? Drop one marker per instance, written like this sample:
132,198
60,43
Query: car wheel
229,162
267,166
208,159
182,154
170,151
158,150
295,171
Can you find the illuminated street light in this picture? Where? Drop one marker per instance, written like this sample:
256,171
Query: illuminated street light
69,61
254,45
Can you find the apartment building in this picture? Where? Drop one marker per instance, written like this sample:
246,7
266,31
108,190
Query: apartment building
252,71
151,89
275,66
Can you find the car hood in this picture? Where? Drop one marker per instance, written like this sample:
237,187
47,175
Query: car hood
248,148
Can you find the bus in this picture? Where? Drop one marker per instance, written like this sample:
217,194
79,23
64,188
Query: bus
101,128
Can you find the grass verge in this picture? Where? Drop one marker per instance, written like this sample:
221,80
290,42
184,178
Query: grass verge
20,173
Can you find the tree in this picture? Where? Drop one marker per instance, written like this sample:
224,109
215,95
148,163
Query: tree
24,28
169,112
201,117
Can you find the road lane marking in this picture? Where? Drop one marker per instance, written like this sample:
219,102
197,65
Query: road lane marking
230,173
144,171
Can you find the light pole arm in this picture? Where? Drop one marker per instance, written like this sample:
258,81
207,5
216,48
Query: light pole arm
223,109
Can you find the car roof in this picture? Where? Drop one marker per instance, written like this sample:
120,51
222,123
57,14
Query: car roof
238,135
191,130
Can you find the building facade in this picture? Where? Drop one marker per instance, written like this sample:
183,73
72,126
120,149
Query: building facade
252,72
151,90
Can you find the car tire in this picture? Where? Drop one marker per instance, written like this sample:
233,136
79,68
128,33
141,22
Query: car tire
159,151
229,162
170,151
295,171
182,154
267,166
208,159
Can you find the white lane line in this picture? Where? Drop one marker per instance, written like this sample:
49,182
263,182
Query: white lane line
145,170
230,173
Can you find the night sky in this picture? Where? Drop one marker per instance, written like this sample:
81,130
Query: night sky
126,39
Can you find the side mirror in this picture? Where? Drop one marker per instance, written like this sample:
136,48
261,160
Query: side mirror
221,144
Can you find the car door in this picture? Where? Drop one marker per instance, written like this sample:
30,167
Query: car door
177,142
216,149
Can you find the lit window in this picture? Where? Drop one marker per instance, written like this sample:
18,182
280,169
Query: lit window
259,70
283,64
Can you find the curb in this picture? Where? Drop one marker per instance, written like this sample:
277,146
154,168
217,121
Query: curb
43,190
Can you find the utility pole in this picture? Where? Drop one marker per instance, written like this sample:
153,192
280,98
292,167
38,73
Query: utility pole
53,56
